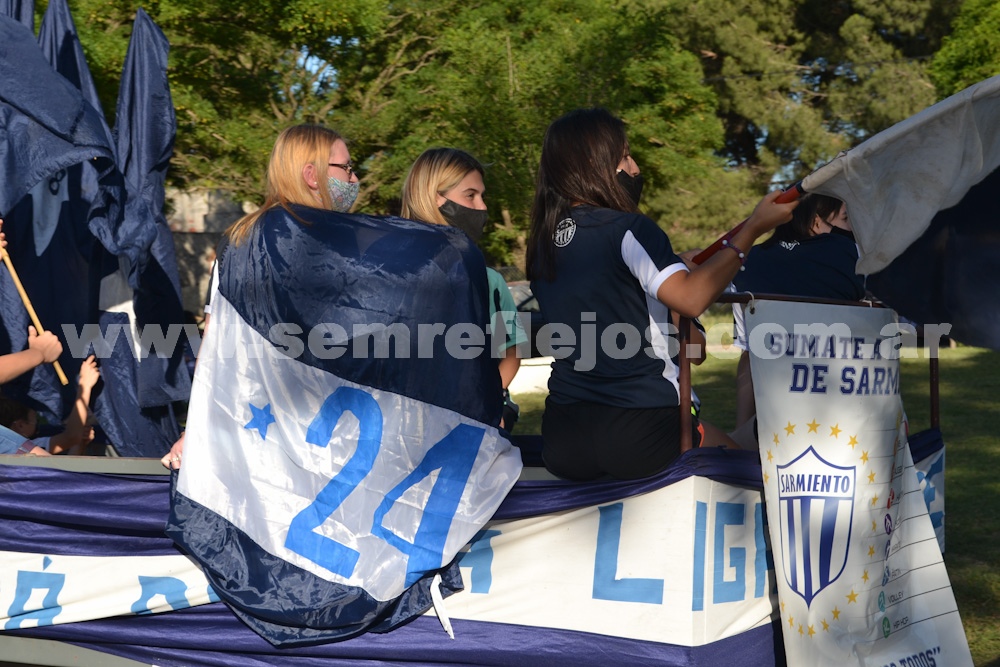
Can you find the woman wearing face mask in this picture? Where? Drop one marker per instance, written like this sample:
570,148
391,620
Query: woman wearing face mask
445,187
609,274
310,165
814,255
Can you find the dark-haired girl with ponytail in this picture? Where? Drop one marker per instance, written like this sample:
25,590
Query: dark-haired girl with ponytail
607,278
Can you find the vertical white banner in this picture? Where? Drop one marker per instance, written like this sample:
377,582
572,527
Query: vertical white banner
860,575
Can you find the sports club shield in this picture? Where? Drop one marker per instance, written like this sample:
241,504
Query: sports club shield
817,503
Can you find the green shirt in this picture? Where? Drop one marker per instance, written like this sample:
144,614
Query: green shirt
502,302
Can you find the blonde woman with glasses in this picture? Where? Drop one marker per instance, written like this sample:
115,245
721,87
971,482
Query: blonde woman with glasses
310,165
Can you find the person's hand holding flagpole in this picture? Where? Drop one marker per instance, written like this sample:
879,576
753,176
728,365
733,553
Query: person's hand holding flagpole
789,195
27,304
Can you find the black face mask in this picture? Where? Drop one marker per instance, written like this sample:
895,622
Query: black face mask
842,232
632,185
469,220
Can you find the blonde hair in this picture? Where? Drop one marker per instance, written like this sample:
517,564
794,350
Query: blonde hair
434,173
294,148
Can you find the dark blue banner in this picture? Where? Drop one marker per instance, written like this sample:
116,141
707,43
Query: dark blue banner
948,275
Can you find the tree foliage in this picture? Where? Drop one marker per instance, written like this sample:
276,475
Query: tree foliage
239,72
490,79
722,98
800,80
972,52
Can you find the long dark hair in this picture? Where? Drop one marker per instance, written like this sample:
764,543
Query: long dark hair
580,154
800,226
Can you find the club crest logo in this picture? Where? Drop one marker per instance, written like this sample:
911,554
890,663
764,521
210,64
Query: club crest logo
565,231
816,500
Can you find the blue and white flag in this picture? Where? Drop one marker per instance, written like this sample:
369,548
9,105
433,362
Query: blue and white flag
927,448
861,578
341,445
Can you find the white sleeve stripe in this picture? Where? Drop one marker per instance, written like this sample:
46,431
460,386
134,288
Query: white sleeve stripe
662,276
643,267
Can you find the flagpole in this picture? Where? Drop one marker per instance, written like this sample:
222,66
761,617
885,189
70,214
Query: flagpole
31,309
791,194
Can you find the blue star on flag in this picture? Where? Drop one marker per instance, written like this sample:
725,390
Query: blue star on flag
262,418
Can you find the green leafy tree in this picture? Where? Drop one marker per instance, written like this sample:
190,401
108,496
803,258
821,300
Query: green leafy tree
972,52
489,79
800,80
239,72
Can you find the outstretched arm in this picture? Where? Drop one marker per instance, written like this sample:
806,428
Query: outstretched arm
691,292
77,433
43,348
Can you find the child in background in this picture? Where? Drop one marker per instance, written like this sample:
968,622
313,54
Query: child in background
72,440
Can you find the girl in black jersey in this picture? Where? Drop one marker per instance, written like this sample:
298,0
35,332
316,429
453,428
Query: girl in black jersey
814,255
610,287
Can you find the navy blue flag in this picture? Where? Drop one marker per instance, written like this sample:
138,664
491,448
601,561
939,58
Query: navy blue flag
139,292
47,129
311,523
145,127
88,267
50,242
46,124
22,10
948,275
59,42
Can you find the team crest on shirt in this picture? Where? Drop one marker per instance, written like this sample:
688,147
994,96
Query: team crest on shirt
565,231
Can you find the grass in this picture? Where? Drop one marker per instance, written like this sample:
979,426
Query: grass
970,422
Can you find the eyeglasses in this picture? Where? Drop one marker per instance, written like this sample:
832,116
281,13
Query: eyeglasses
349,168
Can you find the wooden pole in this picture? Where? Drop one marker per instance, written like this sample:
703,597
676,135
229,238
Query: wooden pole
684,382
31,309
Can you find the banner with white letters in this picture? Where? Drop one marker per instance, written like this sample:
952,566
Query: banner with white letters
861,579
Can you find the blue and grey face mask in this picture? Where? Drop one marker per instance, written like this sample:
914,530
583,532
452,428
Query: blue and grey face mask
342,193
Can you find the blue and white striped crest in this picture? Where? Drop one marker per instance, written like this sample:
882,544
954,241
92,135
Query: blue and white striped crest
817,505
